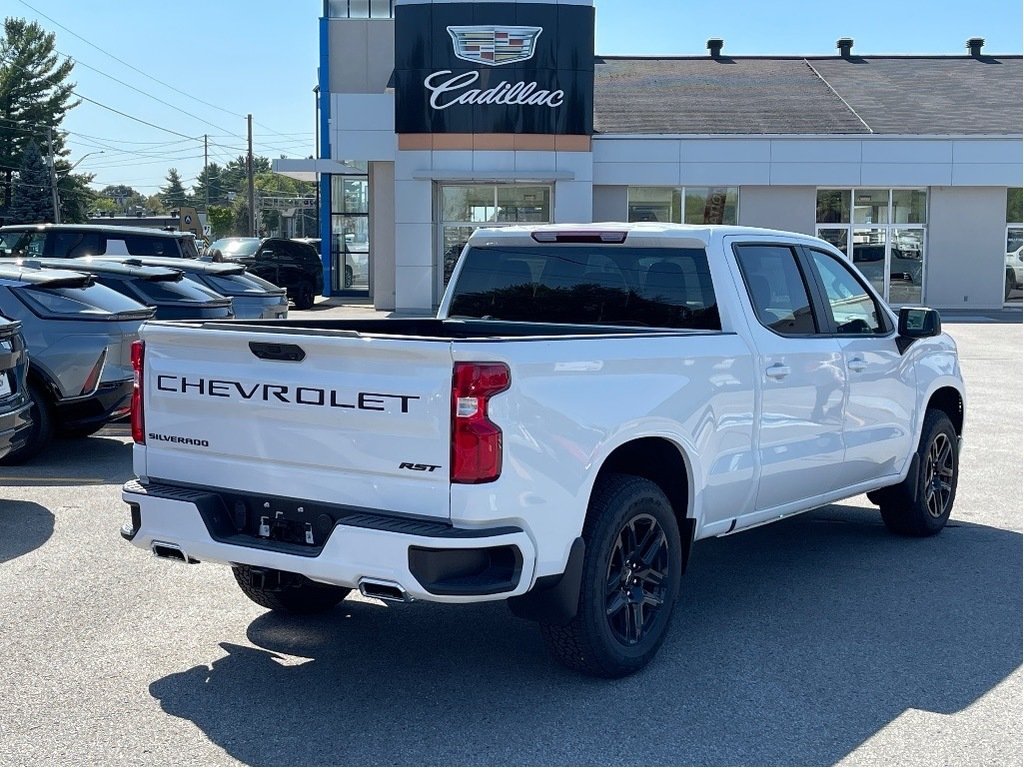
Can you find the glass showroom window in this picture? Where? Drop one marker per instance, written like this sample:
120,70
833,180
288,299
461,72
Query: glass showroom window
464,208
350,233
883,232
683,205
1014,286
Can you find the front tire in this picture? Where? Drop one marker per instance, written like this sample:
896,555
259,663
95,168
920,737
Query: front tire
287,592
631,580
920,505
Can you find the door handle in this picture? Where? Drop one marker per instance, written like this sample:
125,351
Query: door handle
857,364
777,371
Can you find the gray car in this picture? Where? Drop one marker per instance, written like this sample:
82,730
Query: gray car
14,403
78,335
167,290
252,297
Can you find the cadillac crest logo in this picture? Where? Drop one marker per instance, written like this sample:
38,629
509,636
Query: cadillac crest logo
493,45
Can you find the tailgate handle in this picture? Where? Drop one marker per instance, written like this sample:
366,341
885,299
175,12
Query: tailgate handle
292,353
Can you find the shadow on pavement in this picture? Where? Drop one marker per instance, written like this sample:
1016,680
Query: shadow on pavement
74,462
792,644
24,526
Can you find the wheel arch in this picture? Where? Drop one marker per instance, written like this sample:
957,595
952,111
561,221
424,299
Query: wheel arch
950,401
666,464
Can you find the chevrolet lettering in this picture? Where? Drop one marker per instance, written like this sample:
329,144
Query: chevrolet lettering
283,393
590,400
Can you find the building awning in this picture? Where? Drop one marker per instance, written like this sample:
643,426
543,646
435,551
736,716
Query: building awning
307,169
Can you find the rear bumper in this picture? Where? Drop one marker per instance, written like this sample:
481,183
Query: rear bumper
429,560
110,401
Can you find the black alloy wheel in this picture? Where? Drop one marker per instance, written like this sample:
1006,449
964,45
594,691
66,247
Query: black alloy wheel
637,571
938,476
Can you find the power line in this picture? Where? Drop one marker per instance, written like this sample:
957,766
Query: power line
131,117
136,69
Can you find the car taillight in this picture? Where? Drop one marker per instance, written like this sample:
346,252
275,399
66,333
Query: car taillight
476,440
138,417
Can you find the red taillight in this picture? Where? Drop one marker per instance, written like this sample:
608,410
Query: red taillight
476,440
138,417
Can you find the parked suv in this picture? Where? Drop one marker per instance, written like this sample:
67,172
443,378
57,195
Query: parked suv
289,264
14,402
79,336
61,241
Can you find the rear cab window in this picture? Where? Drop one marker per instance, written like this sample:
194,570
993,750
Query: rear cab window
594,284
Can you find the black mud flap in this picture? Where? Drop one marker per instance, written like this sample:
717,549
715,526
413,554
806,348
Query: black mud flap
554,599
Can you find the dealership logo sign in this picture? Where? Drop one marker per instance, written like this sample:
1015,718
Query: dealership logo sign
492,46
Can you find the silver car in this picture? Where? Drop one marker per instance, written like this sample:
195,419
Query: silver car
78,335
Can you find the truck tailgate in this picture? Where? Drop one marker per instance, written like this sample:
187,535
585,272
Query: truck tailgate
356,421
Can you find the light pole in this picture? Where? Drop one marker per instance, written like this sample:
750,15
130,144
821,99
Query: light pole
53,175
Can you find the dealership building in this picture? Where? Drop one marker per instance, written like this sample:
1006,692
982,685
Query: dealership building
437,118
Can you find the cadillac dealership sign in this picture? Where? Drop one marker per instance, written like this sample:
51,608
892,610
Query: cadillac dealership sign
528,69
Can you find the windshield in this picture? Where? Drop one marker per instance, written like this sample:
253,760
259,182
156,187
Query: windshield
235,247
9,241
588,284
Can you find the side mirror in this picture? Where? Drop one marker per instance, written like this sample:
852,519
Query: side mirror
919,322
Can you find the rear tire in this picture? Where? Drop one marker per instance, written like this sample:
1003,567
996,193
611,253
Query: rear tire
632,569
41,431
920,505
287,592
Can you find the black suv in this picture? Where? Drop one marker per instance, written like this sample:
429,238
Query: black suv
288,264
63,241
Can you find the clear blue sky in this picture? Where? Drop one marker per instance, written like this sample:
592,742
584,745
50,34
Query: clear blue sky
260,56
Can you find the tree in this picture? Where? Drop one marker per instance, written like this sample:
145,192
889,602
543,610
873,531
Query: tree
173,194
221,220
208,189
32,198
76,198
126,199
35,95
154,206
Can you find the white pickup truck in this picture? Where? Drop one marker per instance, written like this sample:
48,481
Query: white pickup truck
589,401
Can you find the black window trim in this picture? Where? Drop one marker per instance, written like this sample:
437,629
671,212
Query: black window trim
821,294
820,320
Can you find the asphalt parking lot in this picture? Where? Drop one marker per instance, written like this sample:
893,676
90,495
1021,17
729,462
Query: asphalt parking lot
818,640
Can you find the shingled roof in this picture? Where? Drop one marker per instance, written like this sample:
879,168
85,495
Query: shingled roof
907,95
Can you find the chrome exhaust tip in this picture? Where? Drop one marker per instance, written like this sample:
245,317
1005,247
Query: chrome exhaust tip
167,551
390,591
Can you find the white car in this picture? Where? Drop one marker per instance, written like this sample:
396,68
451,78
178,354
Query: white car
1015,270
590,400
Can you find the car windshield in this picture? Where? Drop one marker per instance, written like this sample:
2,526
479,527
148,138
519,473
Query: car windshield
233,285
91,301
183,289
8,242
235,247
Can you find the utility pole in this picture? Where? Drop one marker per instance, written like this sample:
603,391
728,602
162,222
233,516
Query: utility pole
206,165
53,179
252,184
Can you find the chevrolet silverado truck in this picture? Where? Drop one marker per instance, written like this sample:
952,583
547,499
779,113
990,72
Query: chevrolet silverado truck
589,401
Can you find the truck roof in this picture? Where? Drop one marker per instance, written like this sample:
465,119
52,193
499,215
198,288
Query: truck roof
109,229
644,233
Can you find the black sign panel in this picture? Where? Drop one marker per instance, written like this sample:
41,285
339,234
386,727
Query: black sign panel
494,68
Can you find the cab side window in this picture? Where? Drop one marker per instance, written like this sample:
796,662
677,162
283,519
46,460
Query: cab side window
776,287
73,245
853,309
